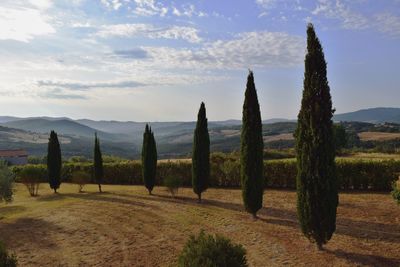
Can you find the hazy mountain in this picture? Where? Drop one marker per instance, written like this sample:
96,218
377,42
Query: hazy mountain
61,126
372,115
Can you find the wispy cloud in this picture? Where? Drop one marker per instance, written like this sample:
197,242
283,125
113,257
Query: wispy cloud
388,23
338,10
87,85
149,8
246,50
136,53
189,34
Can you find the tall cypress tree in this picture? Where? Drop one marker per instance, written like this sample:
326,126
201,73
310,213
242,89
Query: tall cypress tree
149,159
54,162
201,154
251,151
317,193
98,162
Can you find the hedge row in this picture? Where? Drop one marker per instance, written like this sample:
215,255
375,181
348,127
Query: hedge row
352,174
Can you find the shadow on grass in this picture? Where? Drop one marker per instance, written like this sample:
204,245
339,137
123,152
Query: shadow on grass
104,196
25,231
288,218
362,259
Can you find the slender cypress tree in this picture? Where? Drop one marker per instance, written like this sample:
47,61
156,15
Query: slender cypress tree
149,159
251,153
98,162
201,154
54,162
317,193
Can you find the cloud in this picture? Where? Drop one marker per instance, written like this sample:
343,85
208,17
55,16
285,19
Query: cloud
350,20
150,31
23,23
246,50
58,93
267,4
149,8
114,4
388,23
82,86
136,53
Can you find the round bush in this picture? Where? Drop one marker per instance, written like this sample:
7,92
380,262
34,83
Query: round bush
209,251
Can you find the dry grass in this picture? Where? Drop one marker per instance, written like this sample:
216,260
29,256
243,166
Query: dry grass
378,136
284,136
127,227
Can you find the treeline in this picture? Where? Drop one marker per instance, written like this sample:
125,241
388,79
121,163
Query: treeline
374,175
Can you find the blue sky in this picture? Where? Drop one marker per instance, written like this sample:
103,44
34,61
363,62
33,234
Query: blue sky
150,60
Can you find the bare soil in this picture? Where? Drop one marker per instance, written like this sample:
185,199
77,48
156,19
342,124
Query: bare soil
127,227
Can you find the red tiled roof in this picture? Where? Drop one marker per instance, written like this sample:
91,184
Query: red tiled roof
13,153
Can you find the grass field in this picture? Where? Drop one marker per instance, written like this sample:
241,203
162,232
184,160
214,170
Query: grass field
126,227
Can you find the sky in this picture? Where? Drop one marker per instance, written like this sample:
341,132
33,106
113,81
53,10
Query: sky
153,60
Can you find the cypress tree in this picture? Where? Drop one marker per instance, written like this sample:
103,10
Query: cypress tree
317,193
149,159
54,162
98,162
201,154
251,151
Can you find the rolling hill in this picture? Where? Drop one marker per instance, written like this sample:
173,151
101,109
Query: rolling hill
372,115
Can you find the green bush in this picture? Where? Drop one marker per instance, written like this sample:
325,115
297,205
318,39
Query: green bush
7,260
353,174
6,183
208,251
396,192
31,176
172,183
80,178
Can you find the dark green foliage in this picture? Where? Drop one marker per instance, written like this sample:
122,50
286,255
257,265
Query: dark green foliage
352,174
54,162
317,193
208,251
396,191
201,154
149,159
6,183
172,183
6,260
98,163
251,150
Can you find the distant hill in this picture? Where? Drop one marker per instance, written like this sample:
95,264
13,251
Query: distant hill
62,126
372,115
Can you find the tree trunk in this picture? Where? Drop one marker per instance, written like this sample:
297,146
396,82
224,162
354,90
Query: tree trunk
199,198
100,188
320,247
55,190
255,216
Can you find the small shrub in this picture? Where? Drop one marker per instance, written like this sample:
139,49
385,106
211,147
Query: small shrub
31,176
172,183
6,183
206,251
396,191
6,260
80,178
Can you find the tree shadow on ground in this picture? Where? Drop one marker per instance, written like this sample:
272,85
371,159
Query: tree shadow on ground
104,196
365,259
288,218
26,231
